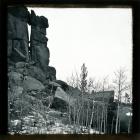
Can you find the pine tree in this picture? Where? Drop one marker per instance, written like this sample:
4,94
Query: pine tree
83,79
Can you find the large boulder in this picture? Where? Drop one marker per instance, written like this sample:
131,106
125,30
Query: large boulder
50,73
63,84
21,65
31,83
30,70
16,91
27,82
34,70
37,73
65,96
15,78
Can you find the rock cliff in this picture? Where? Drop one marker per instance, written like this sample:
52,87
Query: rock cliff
31,81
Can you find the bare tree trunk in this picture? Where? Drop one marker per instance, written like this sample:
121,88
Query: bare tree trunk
83,116
74,114
106,115
105,120
119,125
117,119
87,117
99,124
112,125
69,112
102,118
78,113
121,86
91,116
97,119
82,110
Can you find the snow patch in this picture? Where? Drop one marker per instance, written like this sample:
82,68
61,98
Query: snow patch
129,114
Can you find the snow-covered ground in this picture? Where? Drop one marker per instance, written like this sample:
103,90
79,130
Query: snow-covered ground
52,125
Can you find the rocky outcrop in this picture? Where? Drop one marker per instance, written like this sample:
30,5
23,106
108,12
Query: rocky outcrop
50,73
40,53
34,51
39,40
32,83
30,70
18,34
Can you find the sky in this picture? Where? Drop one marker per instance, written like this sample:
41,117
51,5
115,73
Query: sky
99,37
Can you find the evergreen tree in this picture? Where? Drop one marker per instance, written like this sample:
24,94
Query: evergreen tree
83,78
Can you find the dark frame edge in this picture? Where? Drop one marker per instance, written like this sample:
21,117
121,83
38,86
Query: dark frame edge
62,4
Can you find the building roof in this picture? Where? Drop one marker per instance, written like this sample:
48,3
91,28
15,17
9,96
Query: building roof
105,96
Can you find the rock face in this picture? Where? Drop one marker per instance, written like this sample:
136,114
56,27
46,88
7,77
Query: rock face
40,53
51,73
21,49
29,72
18,34
39,50
32,83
